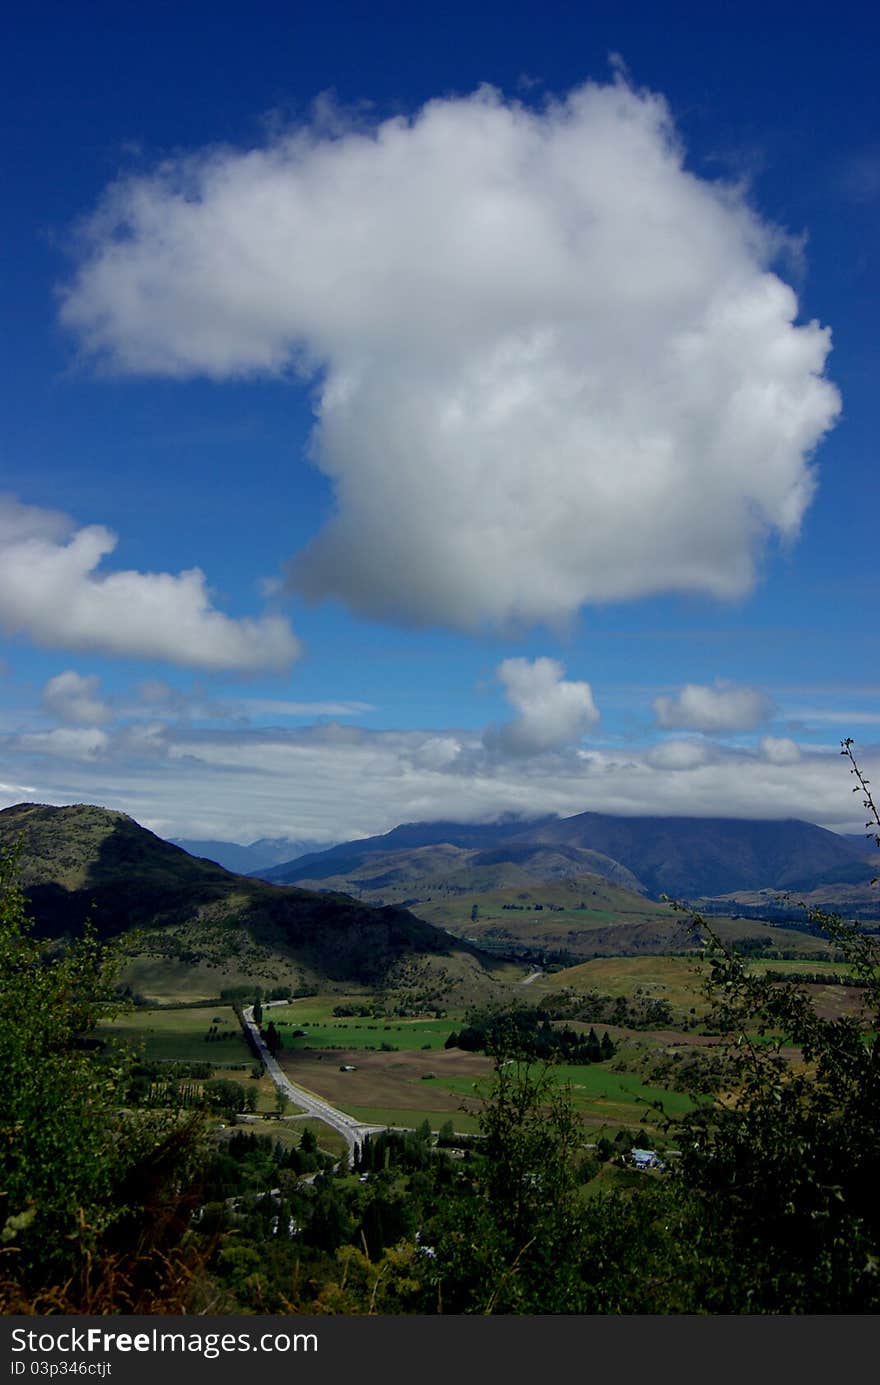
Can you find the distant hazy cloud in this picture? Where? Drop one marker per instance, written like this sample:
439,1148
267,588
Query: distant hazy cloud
51,592
780,750
860,176
678,755
273,707
719,708
554,366
74,699
551,712
67,743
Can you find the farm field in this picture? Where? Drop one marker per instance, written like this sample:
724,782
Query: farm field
327,1031
406,1118
166,1035
401,1074
603,1097
412,1085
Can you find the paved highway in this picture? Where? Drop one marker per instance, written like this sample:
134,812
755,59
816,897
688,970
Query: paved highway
353,1131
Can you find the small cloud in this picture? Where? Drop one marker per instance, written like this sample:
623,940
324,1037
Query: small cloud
551,712
842,718
723,707
678,755
68,743
780,750
74,700
264,706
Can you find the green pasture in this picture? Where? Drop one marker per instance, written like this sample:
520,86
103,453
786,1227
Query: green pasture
328,1031
180,1035
800,968
600,1095
409,1119
352,1033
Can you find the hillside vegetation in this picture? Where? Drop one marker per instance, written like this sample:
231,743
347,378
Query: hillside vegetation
162,905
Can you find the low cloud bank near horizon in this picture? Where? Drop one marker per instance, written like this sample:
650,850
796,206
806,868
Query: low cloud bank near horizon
552,365
52,592
337,782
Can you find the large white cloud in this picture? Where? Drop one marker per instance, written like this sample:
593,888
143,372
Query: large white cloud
553,365
552,712
723,707
51,591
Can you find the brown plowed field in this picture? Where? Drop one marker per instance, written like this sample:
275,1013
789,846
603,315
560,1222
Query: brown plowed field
383,1079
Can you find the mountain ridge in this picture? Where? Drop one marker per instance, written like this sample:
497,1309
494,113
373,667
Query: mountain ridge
685,857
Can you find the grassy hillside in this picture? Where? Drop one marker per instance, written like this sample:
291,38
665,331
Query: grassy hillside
444,870
178,915
560,920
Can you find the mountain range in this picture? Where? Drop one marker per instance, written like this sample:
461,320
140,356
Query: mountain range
684,858
254,858
419,905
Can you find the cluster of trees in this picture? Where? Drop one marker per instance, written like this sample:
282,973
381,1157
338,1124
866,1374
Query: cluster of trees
527,1031
214,1034
185,1086
635,1012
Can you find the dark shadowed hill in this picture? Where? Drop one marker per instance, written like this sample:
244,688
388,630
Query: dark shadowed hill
87,862
689,858
697,857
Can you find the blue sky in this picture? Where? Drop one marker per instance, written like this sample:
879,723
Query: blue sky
416,412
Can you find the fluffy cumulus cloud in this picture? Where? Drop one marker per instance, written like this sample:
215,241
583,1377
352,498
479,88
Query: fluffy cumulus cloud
723,707
552,364
551,712
52,592
75,699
